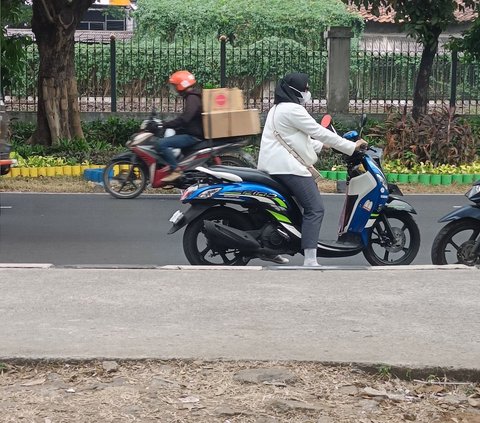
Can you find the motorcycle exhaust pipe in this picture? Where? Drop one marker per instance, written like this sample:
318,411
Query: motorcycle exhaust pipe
228,237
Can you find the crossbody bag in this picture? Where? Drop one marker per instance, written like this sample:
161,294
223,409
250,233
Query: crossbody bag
317,177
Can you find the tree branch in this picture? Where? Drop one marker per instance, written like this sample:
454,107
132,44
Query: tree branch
63,23
47,12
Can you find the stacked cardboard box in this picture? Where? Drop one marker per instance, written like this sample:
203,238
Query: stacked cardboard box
225,116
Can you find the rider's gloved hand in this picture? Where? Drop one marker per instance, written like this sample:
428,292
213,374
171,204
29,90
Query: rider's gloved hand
361,145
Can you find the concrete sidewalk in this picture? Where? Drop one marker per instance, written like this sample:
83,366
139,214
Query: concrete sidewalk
401,316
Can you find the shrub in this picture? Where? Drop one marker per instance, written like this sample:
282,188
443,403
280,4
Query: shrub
301,20
103,139
438,138
114,130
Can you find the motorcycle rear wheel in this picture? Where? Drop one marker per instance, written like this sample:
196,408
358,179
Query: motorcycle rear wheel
454,243
402,250
235,161
199,250
124,179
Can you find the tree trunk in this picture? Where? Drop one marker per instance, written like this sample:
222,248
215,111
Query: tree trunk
58,114
420,96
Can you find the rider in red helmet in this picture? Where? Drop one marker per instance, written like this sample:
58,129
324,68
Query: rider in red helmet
188,126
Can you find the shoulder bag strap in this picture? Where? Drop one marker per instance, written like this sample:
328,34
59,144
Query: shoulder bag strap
315,173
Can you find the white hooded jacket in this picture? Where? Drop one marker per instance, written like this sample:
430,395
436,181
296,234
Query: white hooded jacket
301,132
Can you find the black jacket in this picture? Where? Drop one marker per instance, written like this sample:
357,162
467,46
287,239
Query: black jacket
190,121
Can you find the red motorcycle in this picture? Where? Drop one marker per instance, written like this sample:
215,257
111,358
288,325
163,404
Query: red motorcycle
128,174
5,161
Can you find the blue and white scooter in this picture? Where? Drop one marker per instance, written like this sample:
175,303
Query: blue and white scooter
238,214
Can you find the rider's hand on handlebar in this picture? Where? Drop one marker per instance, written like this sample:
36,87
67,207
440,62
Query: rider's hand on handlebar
361,145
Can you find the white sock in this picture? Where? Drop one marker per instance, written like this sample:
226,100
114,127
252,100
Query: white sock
310,259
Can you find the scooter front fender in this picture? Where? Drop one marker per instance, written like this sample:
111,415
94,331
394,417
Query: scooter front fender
395,203
465,212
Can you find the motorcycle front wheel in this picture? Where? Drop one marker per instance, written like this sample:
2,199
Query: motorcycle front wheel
200,250
124,179
454,243
383,250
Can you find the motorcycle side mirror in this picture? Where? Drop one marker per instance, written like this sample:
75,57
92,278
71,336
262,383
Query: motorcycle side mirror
326,121
363,120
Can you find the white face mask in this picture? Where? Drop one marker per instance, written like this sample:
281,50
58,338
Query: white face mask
306,96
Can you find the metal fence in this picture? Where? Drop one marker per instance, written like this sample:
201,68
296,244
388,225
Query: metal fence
383,79
130,75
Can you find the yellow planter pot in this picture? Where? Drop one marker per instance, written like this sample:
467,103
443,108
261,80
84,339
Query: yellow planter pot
15,171
24,171
51,171
58,170
42,171
76,170
34,172
67,170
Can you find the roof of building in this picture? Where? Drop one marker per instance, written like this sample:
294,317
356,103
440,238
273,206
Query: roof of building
467,15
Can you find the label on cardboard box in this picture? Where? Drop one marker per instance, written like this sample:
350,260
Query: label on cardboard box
232,123
222,99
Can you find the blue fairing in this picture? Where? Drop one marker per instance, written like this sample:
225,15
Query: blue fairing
246,193
351,135
378,197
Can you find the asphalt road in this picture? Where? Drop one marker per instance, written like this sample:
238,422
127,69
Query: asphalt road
96,229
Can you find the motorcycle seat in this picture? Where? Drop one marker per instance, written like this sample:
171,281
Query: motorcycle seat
254,175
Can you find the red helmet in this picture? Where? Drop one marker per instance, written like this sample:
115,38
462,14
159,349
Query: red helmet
182,79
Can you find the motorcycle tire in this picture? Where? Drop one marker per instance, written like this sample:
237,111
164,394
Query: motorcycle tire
454,243
383,251
200,251
124,179
235,161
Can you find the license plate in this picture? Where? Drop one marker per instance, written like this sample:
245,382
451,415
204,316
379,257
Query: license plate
176,217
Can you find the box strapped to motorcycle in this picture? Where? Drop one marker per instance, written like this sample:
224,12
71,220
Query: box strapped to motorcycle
224,114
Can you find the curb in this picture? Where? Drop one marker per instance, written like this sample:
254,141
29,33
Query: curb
469,375
423,267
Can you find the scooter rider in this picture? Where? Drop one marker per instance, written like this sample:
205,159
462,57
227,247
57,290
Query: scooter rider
306,137
188,126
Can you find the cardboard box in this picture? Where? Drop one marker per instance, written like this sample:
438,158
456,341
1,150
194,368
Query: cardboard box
233,123
222,99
